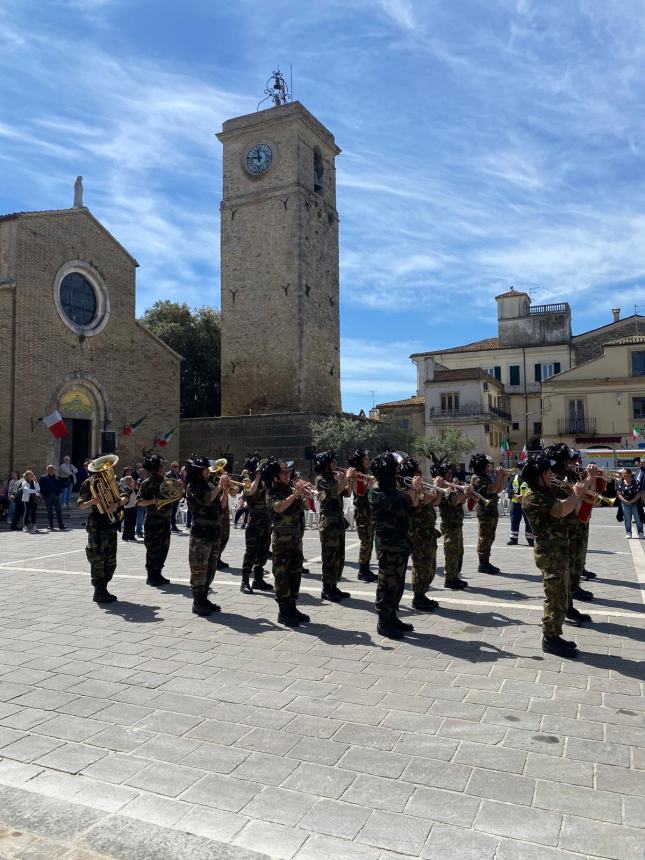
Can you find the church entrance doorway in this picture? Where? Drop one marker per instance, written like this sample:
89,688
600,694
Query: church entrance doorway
76,445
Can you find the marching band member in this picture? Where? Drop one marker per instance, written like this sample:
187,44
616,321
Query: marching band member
549,519
390,508
577,465
487,482
225,523
360,461
451,508
423,539
205,501
257,534
101,546
332,488
286,504
156,526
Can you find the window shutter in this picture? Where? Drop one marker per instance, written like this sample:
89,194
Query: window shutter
556,367
498,372
514,374
538,373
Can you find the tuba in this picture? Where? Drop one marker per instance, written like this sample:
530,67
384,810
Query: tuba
104,486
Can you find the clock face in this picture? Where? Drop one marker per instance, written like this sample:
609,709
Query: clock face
258,159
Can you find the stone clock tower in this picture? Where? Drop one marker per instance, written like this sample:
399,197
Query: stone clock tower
279,260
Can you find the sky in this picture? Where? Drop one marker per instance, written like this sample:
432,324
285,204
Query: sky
485,144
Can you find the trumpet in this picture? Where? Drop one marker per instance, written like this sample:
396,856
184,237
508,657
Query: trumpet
427,486
590,496
463,488
309,491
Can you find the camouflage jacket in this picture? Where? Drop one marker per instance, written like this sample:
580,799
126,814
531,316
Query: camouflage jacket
257,504
288,523
331,507
482,484
206,512
423,519
149,489
550,533
95,519
452,512
391,514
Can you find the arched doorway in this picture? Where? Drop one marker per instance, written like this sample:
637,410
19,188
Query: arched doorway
79,411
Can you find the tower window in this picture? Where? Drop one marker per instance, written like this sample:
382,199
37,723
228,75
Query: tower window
318,172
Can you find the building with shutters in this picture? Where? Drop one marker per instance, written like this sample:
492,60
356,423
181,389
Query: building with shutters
534,346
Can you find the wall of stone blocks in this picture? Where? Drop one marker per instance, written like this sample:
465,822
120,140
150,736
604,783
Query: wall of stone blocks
592,346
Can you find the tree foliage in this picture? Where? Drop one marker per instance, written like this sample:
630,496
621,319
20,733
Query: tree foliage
196,336
451,446
344,434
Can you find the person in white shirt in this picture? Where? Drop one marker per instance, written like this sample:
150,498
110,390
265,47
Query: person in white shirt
30,489
67,472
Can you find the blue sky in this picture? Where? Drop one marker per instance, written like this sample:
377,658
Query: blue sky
486,143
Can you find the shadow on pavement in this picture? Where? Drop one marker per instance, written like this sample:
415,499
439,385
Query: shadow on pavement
138,613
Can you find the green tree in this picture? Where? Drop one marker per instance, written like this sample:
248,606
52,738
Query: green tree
196,336
344,433
450,446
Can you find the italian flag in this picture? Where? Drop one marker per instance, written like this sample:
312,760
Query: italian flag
504,446
636,431
523,454
55,424
162,441
129,429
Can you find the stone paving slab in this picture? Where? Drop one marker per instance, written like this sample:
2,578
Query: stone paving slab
139,730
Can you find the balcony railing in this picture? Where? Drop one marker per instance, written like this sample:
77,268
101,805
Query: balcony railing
469,410
531,388
561,308
577,426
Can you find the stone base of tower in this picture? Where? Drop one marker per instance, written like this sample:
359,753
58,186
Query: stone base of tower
278,434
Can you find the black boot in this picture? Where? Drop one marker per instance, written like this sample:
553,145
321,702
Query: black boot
341,595
155,578
424,604
456,584
201,606
558,646
581,594
287,616
588,574
102,595
302,617
258,580
511,541
245,587
574,614
365,574
403,626
485,566
385,627
330,593
221,564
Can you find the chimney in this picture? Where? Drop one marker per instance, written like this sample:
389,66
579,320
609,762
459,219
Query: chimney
616,314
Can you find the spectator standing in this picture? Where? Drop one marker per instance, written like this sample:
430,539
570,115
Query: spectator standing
14,480
128,487
629,493
30,489
139,474
67,472
82,475
50,490
173,472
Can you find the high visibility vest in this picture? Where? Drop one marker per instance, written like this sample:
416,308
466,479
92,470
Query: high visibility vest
519,490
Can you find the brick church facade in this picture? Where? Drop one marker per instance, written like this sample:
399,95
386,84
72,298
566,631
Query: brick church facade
70,341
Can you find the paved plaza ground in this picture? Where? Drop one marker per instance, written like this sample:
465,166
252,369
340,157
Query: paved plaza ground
138,730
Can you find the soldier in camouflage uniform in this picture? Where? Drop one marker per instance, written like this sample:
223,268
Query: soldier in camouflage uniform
390,507
600,486
451,508
360,461
205,500
101,541
547,515
423,539
258,531
225,526
332,488
562,456
488,483
286,504
156,528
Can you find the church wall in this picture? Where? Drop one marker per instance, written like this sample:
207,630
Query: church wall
6,360
124,370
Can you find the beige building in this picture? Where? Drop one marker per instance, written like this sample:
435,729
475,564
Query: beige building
534,346
596,403
69,341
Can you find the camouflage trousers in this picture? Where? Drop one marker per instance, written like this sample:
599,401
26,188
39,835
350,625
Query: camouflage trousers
487,529
424,565
392,563
101,554
578,541
332,545
453,552
203,554
287,567
156,537
225,522
557,598
365,529
258,541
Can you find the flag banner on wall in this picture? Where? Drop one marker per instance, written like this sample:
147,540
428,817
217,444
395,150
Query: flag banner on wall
55,424
129,429
636,431
504,446
522,455
162,441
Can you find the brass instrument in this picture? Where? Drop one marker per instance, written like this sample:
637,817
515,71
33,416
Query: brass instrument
590,496
310,492
170,491
104,486
428,487
219,466
462,488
